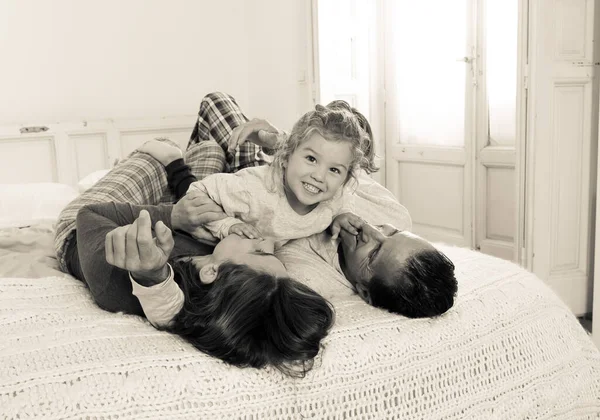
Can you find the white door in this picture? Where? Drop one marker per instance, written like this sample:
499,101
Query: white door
430,120
562,146
438,81
499,90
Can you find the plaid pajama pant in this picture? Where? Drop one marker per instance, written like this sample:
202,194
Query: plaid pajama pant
141,179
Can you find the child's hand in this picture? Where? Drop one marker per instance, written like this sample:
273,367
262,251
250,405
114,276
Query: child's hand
244,229
161,151
350,222
203,235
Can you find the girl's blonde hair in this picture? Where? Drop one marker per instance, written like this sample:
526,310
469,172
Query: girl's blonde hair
334,124
369,145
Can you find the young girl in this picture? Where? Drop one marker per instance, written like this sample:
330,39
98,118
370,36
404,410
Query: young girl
302,191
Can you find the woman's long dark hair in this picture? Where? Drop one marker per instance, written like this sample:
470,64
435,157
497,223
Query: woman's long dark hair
252,319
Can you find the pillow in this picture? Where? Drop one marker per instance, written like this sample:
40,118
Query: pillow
29,204
91,179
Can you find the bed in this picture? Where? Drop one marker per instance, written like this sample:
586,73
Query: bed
508,349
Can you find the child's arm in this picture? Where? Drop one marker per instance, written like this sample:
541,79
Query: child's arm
350,222
231,192
345,217
222,228
244,229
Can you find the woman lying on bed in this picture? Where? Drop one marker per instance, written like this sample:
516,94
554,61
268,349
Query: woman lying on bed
244,309
249,312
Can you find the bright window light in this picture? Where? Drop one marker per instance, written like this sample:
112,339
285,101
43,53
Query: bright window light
501,52
429,40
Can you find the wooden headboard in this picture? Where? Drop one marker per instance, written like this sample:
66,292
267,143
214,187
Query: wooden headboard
67,152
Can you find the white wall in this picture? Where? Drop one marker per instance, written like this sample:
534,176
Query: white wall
70,60
280,59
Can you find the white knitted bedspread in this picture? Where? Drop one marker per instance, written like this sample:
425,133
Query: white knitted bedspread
509,349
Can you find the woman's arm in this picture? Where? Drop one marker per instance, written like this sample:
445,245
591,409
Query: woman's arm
230,191
144,255
113,242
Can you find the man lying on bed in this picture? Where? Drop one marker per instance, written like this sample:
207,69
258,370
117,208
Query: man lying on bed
388,266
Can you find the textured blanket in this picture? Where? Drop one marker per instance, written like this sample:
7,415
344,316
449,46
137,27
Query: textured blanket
509,349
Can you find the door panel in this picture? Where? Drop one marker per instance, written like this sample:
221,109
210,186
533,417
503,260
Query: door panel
429,115
40,152
68,151
430,182
442,181
495,170
563,141
500,210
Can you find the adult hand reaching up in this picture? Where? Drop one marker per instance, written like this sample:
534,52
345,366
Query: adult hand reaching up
258,131
133,248
193,211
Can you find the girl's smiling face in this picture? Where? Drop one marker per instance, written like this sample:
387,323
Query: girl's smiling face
315,171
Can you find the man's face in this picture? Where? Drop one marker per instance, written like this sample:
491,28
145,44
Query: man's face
380,250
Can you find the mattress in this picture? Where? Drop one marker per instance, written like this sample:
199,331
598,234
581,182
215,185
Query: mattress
508,349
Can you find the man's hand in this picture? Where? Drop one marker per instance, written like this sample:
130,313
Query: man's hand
133,248
350,222
245,230
194,210
258,131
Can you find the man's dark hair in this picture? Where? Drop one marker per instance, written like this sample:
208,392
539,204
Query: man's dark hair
252,319
425,286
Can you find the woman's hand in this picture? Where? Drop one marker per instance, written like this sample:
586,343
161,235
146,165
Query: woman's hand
258,131
133,248
193,211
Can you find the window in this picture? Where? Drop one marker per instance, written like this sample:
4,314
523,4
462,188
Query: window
430,64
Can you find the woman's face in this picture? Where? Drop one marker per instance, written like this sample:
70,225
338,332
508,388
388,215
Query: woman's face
256,253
